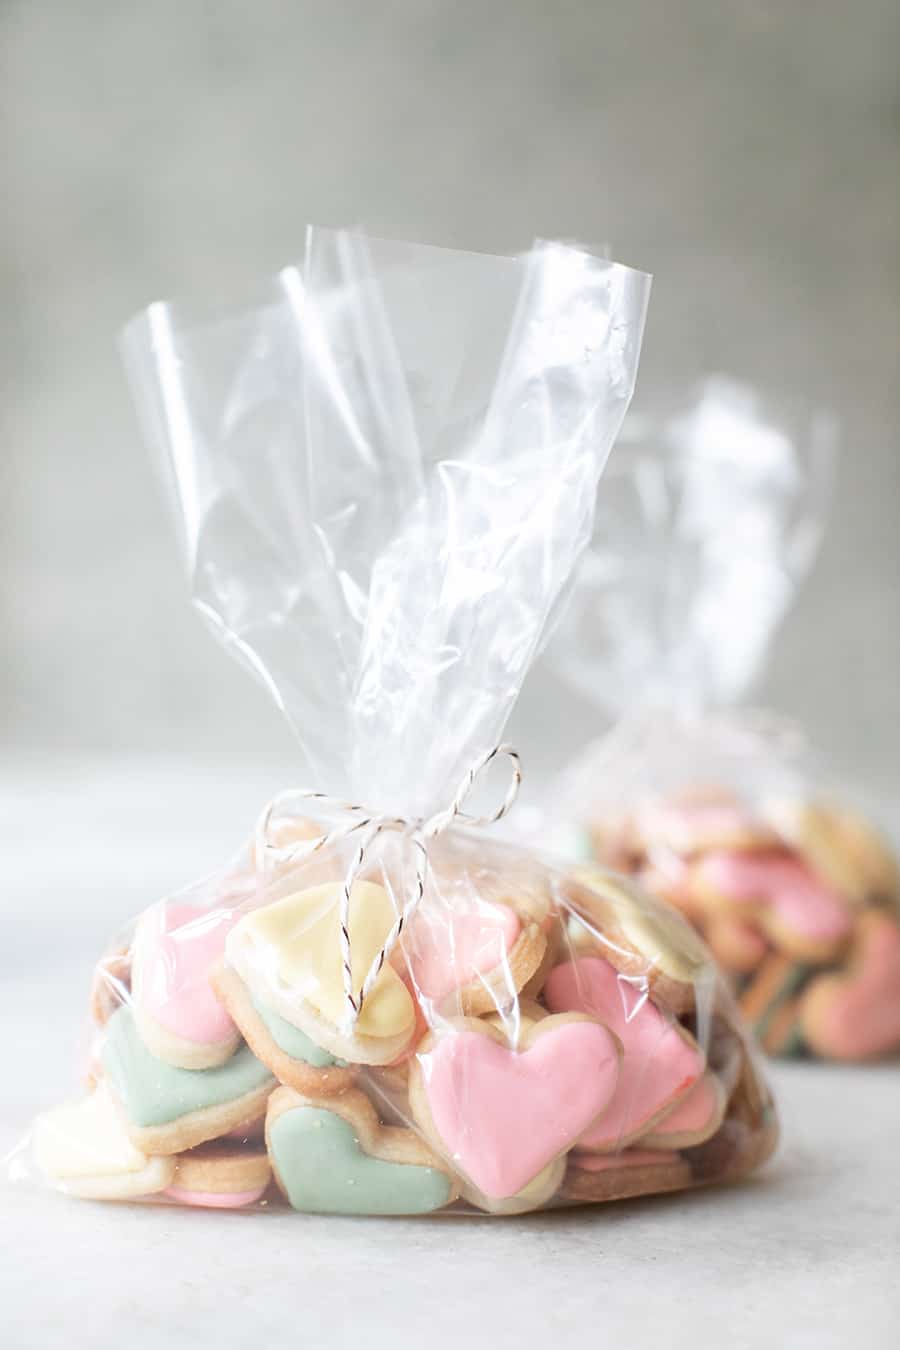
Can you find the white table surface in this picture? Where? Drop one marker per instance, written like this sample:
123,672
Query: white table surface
805,1255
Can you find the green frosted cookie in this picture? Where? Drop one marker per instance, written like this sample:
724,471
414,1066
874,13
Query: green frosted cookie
291,1039
328,1163
153,1093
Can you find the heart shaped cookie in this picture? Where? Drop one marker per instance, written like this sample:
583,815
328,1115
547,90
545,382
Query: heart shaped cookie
660,1063
290,1054
169,1110
331,1155
220,1175
855,1013
643,938
693,1119
536,1195
840,846
800,913
711,819
471,960
288,955
502,1115
178,1015
83,1148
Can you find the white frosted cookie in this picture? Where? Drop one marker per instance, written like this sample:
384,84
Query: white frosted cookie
83,1148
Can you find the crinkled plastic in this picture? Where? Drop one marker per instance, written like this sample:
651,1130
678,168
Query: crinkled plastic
708,519
385,473
706,524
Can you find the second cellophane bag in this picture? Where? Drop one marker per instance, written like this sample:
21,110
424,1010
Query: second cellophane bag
709,516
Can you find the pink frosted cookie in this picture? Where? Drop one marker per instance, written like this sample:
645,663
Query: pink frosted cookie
472,960
840,846
647,941
504,1115
800,913
855,1013
178,1016
691,827
660,1063
694,1118
220,1175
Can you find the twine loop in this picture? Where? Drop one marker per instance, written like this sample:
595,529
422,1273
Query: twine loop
368,825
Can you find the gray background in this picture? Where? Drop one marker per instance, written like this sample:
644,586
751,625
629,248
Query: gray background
746,153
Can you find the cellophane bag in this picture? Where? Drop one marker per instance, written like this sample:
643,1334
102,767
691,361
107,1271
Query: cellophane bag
385,472
707,521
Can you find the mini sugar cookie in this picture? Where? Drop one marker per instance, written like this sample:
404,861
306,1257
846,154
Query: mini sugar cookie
494,871
471,960
220,1175
661,1062
178,1016
855,1013
288,954
536,1195
331,1155
624,1176
83,1148
169,1110
484,933
504,1114
643,938
693,824
799,912
840,846
290,1054
693,1119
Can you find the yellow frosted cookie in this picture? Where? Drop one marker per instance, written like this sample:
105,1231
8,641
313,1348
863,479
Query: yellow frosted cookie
288,954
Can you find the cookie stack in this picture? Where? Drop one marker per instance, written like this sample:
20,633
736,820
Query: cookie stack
798,901
532,1040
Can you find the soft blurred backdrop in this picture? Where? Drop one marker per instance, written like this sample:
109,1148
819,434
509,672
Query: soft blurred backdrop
748,154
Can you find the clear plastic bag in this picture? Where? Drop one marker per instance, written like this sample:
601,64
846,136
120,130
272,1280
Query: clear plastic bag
385,472
706,524
708,519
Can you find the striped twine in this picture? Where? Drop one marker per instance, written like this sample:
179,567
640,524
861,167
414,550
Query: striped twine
369,825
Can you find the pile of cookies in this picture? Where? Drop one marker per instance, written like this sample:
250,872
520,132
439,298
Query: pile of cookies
534,1039
799,902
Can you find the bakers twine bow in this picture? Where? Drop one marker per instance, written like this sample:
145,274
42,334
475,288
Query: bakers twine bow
369,825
